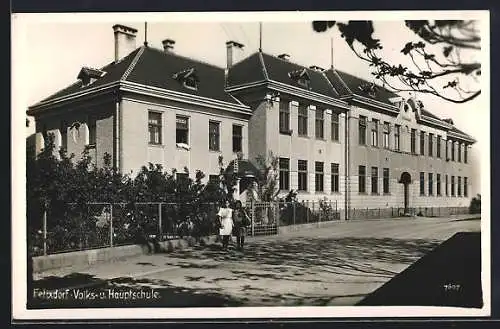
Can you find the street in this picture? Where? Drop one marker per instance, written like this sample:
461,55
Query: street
335,265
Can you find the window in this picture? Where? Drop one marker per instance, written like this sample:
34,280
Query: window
335,127
154,126
431,184
438,184
335,177
386,180
459,186
303,82
374,180
284,164
374,132
465,153
413,141
422,183
386,135
362,179
237,138
92,130
302,166
190,83
438,147
431,136
465,187
182,129
320,127
213,179
319,176
452,185
397,134
422,143
459,152
362,130
64,135
447,191
302,123
284,117
214,136
452,151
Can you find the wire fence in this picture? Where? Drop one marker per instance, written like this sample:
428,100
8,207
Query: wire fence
98,225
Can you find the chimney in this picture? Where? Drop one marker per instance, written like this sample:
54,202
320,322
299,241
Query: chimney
234,53
168,45
124,41
284,57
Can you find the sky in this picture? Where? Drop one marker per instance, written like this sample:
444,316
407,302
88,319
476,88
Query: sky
52,49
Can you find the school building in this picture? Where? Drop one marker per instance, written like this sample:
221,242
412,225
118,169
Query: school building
337,136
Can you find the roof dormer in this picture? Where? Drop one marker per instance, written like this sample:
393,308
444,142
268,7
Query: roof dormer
188,78
369,88
301,77
88,75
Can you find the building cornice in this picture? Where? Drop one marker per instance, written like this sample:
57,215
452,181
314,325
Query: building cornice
462,137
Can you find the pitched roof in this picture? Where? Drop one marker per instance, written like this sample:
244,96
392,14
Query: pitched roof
157,68
262,66
348,84
114,71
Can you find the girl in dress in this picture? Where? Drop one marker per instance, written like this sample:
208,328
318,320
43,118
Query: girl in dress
225,216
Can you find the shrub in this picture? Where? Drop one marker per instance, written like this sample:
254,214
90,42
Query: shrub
475,205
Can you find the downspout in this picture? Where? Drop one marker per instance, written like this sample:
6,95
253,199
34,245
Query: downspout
346,166
118,128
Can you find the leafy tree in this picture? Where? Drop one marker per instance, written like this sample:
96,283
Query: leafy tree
440,56
268,186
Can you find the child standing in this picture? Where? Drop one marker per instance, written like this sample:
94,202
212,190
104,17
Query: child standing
225,216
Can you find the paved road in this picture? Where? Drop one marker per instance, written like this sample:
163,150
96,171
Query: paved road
335,265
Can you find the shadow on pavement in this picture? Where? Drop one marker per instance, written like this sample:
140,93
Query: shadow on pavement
450,275
298,260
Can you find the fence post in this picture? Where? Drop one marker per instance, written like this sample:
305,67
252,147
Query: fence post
111,225
294,212
160,230
45,231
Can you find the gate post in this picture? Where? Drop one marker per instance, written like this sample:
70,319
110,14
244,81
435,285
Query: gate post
45,230
160,229
252,205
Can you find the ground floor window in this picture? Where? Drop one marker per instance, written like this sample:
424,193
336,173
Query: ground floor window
335,177
386,181
284,164
319,176
362,179
422,183
374,180
302,166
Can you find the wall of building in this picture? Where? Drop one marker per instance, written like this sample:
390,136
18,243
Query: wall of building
401,161
64,118
137,151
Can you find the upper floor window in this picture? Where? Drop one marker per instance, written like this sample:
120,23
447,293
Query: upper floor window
214,136
237,138
335,126
320,128
386,134
397,137
284,118
181,129
374,132
465,153
92,130
413,141
452,151
154,127
459,152
302,123
431,136
362,130
438,147
422,143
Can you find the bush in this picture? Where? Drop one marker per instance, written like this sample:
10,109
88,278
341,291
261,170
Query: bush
475,205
